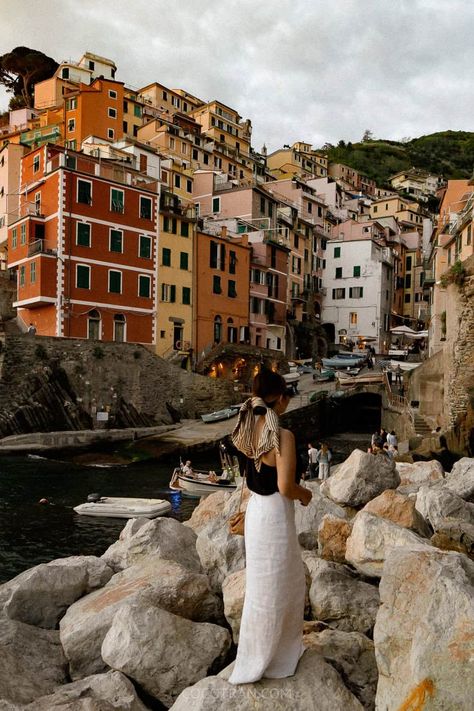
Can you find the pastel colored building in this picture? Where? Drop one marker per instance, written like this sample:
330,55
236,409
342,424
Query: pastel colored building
299,159
84,247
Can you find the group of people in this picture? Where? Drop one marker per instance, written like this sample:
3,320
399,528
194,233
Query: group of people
384,442
319,461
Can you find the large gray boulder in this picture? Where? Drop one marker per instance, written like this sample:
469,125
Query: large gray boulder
338,597
360,478
436,503
371,539
40,596
400,509
424,631
233,591
461,479
102,692
162,652
308,518
352,654
417,474
210,507
158,582
454,535
165,537
32,662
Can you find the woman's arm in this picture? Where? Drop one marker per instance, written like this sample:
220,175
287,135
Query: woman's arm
286,467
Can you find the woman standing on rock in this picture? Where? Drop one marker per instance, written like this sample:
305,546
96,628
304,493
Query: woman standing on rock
271,631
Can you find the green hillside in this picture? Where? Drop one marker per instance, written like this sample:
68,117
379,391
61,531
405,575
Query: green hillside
448,153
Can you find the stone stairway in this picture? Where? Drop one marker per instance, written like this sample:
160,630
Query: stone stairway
421,426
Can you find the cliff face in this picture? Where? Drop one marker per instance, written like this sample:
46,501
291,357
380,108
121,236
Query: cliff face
54,384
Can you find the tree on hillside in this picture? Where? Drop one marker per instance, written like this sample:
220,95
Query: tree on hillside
20,70
368,136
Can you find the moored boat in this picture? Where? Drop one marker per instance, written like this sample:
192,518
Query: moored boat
224,414
122,507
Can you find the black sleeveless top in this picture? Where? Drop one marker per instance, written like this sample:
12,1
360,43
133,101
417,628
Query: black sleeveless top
265,481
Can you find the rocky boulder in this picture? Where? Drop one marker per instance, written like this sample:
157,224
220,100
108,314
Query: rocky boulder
158,583
412,476
103,692
233,590
162,652
308,518
453,535
166,537
398,508
360,478
333,533
338,597
424,631
437,502
40,596
316,686
352,655
370,540
461,479
210,507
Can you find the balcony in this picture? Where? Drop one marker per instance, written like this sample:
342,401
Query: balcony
40,246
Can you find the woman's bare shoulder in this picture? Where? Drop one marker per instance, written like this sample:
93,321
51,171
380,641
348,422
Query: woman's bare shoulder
286,436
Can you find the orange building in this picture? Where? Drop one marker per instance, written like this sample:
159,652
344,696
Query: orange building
84,247
222,269
94,110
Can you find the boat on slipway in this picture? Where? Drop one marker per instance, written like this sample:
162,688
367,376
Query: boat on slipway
122,507
225,414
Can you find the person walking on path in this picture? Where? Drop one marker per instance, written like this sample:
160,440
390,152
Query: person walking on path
312,461
324,460
271,630
398,375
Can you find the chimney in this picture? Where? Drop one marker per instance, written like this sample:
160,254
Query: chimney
223,231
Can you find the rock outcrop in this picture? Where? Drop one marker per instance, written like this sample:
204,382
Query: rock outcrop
360,478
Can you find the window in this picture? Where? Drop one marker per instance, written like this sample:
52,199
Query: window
111,112
338,293
408,281
177,181
216,285
186,295
125,107
112,94
166,257
170,224
262,205
71,162
168,293
183,260
83,276
216,204
145,207
408,264
33,272
23,233
352,318
338,272
144,286
71,125
116,241
65,73
14,237
116,200
231,290
189,186
38,203
232,262
356,292
337,252
119,328
111,133
84,192
184,148
407,298
115,282
375,208
165,96
83,234
184,229
91,65
144,247
356,272
36,163
21,276
217,329
469,234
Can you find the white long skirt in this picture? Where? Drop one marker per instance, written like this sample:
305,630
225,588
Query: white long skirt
271,630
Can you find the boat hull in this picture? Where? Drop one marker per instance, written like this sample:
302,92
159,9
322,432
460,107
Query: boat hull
195,487
119,507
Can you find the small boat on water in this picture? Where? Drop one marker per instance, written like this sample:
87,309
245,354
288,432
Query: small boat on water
218,415
122,507
196,483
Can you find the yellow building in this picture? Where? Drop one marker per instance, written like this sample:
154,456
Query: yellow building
168,100
298,159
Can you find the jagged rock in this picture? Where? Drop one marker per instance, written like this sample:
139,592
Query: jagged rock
453,535
158,582
370,539
102,692
162,652
338,598
41,595
461,479
32,662
233,590
209,507
220,552
395,507
333,533
424,631
166,537
412,476
352,655
437,502
308,518
360,478
316,686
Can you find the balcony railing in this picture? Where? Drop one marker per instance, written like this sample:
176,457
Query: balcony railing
39,246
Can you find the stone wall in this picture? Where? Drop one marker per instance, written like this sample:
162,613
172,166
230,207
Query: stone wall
49,384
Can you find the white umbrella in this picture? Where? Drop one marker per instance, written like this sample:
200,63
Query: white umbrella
402,331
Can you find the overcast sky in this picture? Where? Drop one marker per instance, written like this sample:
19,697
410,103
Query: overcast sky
312,70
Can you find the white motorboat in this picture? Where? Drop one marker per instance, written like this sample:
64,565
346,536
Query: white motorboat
200,485
224,414
122,507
